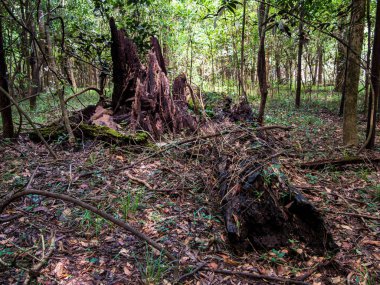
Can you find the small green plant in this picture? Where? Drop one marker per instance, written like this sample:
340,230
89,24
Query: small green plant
154,269
311,179
88,222
91,159
130,204
274,256
377,193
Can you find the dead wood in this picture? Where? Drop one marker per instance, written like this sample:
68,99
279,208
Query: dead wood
260,207
339,162
157,50
257,276
84,91
153,109
93,209
262,211
96,132
126,67
35,270
138,180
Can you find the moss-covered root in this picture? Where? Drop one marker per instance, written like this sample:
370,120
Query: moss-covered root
82,131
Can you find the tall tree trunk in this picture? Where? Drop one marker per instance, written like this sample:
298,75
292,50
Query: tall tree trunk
242,81
68,67
340,61
320,65
375,79
35,70
277,58
367,73
350,133
261,61
6,113
299,63
53,67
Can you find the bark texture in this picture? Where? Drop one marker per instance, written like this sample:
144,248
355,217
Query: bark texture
350,133
6,114
144,93
261,62
375,80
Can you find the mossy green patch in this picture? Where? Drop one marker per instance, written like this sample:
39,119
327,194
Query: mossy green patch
94,132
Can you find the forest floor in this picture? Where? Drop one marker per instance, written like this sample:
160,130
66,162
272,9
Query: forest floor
169,197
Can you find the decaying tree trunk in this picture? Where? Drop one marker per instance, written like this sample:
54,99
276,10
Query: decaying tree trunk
261,210
144,92
126,68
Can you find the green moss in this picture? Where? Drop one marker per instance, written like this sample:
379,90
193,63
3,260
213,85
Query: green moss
91,131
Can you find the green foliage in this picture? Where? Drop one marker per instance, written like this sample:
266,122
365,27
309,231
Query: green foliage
130,203
90,221
154,268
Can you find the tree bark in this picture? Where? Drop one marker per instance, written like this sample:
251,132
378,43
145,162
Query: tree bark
350,133
261,61
367,71
242,88
320,65
35,70
340,61
375,80
6,114
299,63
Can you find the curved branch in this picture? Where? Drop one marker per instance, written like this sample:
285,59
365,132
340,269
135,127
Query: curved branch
84,205
84,91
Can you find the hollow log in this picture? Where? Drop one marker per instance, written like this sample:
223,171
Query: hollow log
262,210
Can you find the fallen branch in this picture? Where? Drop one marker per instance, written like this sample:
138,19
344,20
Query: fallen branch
10,218
257,276
314,269
84,205
84,91
35,270
191,273
138,180
319,164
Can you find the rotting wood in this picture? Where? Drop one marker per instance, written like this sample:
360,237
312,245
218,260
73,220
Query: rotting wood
257,276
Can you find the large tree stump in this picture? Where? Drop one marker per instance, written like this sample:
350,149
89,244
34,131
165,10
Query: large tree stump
144,92
127,68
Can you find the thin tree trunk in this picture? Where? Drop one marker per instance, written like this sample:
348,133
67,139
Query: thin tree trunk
320,65
299,63
340,62
350,133
261,61
367,73
242,81
35,70
375,79
6,113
